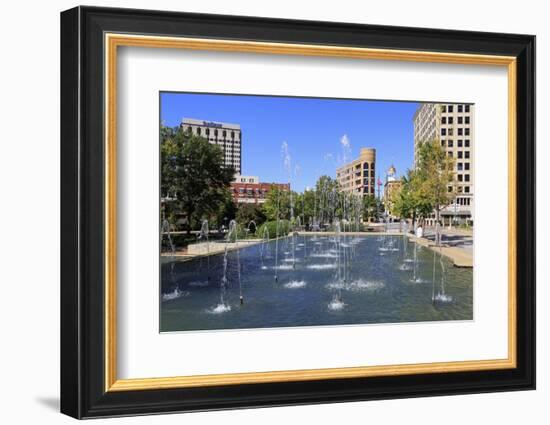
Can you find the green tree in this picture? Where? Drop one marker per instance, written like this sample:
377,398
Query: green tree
248,213
370,208
277,201
435,174
226,212
193,172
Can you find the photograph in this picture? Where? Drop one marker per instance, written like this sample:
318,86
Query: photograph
279,212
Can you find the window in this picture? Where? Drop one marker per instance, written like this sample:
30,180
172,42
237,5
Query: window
443,143
443,108
450,120
224,133
208,132
459,154
444,120
460,119
467,154
459,166
459,143
443,131
466,177
467,143
467,120
466,108
467,166
466,131
450,108
449,188
466,189
215,133
460,177
232,134
365,166
459,108
460,131
450,143
450,154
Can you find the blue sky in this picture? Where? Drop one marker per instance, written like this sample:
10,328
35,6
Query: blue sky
313,129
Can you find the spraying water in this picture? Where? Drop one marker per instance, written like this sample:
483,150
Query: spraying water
165,231
231,234
204,233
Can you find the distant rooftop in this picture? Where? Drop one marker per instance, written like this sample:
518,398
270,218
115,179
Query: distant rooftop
206,123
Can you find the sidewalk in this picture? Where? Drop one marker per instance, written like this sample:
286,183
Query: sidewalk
456,244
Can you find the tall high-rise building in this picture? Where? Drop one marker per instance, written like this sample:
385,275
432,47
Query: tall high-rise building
452,125
227,136
358,176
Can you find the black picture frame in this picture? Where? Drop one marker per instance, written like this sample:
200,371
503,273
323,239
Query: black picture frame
83,392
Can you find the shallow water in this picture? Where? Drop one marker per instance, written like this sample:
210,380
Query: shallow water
377,289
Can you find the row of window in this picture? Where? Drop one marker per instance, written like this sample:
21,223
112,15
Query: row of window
459,108
207,132
234,145
460,154
463,201
250,190
460,189
460,131
463,166
460,143
460,120
463,177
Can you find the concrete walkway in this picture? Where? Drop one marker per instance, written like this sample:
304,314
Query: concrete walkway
461,256
202,249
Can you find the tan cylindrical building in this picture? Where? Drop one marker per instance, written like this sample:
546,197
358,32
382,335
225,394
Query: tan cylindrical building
358,176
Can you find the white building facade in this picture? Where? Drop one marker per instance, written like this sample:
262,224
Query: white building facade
452,125
225,135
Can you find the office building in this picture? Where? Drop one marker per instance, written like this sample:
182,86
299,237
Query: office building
227,136
452,125
358,176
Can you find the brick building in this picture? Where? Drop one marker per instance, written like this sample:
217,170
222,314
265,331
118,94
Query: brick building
249,189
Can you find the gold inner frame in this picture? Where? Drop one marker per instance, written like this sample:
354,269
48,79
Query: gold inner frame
113,41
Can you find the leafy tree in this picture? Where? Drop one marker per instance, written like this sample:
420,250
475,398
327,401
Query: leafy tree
278,200
193,172
328,199
227,211
248,213
305,206
370,208
435,177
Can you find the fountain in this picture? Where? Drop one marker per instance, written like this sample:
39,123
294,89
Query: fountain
264,245
441,296
165,231
204,235
339,260
277,236
232,233
337,303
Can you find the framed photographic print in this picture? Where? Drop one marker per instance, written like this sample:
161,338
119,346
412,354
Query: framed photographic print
261,212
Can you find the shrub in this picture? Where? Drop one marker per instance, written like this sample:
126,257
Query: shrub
284,228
